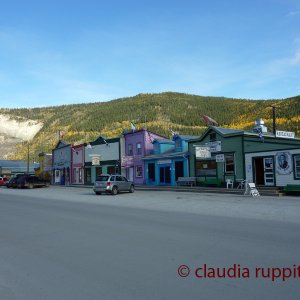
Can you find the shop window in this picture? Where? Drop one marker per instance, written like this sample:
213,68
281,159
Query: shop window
178,144
229,163
138,148
98,171
206,168
130,150
138,171
88,175
111,170
297,166
212,137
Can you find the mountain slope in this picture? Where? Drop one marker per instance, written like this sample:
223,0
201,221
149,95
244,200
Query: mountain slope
158,112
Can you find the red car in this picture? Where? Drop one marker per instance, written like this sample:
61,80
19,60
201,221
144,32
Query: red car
3,180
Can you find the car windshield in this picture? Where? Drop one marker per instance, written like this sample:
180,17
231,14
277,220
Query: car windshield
102,178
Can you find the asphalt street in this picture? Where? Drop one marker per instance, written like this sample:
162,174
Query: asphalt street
67,243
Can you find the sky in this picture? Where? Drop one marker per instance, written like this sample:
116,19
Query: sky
69,51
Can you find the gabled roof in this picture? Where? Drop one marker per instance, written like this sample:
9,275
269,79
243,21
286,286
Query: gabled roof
61,144
228,132
186,137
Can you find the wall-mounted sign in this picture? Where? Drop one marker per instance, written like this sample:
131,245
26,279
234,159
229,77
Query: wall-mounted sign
214,146
95,159
202,152
285,134
164,161
220,158
283,163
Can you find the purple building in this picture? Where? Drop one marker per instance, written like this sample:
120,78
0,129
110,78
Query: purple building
138,144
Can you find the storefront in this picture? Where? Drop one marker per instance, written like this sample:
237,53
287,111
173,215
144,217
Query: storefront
169,161
61,163
263,158
102,156
77,166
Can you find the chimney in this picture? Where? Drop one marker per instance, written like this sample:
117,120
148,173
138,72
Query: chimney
260,126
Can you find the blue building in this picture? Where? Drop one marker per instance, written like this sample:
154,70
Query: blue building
168,161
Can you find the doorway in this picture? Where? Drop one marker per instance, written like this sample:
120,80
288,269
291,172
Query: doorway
165,174
264,171
178,169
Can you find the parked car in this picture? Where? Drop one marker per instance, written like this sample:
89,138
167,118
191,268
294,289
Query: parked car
31,181
11,183
112,184
3,181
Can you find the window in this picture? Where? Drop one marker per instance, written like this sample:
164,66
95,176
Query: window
138,171
297,166
139,148
206,168
130,150
178,143
229,163
212,137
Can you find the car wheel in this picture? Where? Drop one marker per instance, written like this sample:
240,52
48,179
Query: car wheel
114,191
131,190
30,186
19,186
98,193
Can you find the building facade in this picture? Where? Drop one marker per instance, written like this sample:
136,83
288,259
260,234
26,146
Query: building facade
102,156
61,163
168,161
77,164
138,143
260,157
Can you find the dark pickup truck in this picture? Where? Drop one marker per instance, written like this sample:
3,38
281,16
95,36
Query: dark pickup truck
31,181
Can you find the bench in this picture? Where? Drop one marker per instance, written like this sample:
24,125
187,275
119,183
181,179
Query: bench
186,181
292,188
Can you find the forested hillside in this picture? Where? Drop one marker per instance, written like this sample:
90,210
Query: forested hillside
157,112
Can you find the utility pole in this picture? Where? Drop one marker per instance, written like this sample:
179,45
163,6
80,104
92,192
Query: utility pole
274,119
28,157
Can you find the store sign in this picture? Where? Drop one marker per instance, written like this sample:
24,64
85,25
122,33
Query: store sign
285,134
214,146
220,158
95,160
164,161
202,152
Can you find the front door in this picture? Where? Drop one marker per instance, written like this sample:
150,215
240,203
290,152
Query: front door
130,174
264,171
269,171
165,175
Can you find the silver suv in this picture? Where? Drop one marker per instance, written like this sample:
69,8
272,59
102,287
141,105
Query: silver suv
112,184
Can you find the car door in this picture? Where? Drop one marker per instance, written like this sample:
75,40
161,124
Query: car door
120,183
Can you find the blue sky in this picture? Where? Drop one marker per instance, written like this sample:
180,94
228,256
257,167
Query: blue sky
63,52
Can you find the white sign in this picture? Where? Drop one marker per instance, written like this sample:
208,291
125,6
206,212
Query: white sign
220,158
203,152
214,146
95,159
285,134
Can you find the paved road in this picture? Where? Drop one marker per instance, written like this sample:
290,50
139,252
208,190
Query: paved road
67,243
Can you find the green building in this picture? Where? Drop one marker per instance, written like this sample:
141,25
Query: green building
264,158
